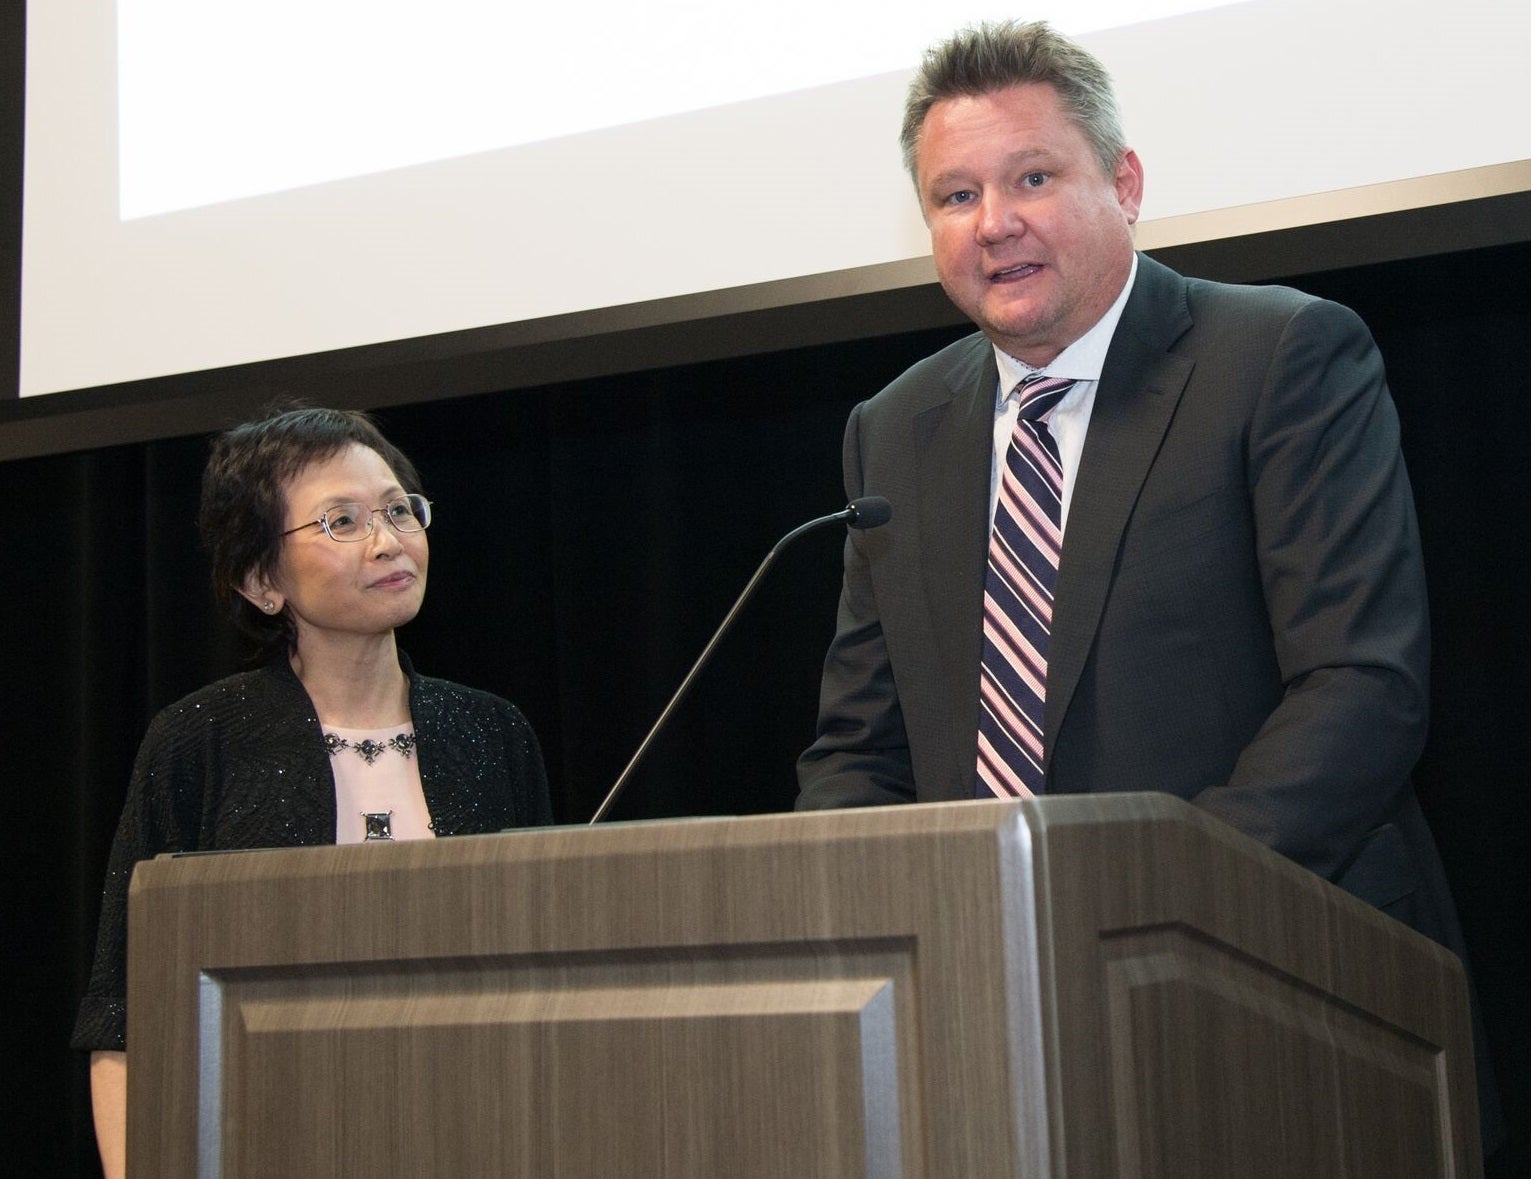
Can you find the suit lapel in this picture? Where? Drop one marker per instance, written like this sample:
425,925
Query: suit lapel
953,441
1140,387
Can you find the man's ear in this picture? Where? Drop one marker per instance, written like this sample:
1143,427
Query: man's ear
1129,185
261,594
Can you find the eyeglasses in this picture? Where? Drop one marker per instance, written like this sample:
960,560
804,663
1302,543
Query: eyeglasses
352,522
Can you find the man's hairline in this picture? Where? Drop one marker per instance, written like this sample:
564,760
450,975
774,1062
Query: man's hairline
919,135
914,169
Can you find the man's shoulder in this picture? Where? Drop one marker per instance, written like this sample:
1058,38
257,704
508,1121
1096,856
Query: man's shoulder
1160,289
962,365
1176,312
1252,319
1246,298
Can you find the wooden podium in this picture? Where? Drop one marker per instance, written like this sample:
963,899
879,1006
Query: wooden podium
1112,985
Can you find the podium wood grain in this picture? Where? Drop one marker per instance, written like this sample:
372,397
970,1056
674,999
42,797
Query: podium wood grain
1106,986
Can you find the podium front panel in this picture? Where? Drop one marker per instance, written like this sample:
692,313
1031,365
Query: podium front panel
1109,986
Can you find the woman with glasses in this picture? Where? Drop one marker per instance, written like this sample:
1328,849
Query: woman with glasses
315,527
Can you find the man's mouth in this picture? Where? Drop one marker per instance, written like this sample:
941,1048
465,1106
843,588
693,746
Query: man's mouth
1014,273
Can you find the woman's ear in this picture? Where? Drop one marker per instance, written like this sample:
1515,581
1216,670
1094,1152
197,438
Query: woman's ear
261,594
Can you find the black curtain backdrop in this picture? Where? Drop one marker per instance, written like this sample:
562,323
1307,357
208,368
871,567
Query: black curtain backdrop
590,536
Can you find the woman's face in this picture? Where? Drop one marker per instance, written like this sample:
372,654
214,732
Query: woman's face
362,588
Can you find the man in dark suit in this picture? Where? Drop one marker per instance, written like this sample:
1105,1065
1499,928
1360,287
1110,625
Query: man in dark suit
1192,566
1237,612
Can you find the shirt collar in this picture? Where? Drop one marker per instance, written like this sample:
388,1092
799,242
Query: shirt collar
1082,360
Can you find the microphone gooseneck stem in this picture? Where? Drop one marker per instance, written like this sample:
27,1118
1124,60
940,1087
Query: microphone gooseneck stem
848,514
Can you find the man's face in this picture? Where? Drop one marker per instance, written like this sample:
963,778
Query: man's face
1032,240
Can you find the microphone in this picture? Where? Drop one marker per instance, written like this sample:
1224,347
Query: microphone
869,511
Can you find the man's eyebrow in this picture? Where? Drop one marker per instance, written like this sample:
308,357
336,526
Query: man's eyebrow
1027,155
942,179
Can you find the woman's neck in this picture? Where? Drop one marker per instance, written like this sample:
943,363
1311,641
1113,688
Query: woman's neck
354,685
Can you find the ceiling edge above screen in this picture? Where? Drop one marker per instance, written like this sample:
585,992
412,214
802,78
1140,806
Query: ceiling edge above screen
1475,209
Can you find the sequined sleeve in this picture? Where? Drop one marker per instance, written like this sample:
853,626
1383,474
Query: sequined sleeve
148,827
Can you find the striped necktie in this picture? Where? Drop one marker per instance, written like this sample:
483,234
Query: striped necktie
1018,599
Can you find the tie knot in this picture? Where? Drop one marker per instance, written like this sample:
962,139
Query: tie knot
1039,395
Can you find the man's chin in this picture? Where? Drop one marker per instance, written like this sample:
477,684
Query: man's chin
1021,336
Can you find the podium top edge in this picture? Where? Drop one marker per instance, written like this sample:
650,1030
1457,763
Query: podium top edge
1028,819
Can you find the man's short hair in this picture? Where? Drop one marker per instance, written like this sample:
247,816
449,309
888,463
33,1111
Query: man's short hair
996,55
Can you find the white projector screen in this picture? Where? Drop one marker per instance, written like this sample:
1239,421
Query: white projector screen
169,229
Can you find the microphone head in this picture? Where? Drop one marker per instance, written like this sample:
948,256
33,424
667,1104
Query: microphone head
870,511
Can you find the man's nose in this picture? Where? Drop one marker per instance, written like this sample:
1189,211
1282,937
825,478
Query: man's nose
999,218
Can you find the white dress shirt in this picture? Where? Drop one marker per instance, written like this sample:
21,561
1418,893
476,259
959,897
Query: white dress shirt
1081,361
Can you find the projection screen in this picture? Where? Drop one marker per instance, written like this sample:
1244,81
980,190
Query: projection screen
375,188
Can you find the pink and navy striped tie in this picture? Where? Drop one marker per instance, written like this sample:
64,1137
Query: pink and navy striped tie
1018,599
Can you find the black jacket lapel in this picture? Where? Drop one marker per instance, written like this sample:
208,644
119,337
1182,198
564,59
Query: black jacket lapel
952,447
1139,390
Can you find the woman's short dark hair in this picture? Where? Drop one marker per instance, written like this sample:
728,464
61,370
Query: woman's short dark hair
244,504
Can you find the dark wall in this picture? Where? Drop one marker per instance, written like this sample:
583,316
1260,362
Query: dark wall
589,537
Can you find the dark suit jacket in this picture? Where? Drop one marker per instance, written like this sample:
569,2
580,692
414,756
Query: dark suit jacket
1239,617
1240,614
